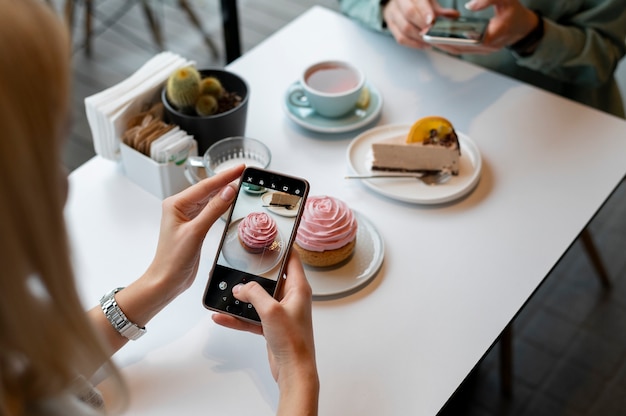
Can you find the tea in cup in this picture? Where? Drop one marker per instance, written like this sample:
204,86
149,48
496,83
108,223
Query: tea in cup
331,88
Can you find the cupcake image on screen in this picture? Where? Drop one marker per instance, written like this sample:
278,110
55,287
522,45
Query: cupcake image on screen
257,232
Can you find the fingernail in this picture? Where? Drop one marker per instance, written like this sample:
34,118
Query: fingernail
237,288
429,19
470,5
228,193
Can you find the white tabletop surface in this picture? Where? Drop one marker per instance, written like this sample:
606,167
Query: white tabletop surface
453,275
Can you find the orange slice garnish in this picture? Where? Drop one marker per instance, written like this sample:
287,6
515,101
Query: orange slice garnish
422,128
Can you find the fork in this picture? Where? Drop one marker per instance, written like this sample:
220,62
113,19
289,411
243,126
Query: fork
436,178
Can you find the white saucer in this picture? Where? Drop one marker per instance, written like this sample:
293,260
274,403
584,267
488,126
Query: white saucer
359,157
309,119
353,274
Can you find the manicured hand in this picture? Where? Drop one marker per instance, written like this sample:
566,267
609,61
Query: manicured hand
187,217
287,326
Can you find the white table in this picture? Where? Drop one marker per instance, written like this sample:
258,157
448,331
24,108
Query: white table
453,277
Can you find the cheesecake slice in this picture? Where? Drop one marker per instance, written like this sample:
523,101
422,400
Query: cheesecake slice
432,145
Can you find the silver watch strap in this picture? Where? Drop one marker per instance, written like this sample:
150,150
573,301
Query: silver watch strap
116,317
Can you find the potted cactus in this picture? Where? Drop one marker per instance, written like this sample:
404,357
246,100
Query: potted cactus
209,104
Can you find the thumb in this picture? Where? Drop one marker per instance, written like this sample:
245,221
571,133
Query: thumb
253,293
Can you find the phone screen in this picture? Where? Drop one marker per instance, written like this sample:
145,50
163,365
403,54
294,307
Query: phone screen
259,232
462,30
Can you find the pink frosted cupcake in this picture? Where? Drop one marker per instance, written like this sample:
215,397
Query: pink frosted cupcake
327,232
257,232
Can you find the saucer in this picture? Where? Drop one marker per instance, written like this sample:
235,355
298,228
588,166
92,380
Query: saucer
309,119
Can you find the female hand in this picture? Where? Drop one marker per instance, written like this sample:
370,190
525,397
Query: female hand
288,329
187,217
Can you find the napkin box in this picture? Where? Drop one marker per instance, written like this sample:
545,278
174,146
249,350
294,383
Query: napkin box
160,179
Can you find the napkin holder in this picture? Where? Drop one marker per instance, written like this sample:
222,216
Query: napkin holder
160,179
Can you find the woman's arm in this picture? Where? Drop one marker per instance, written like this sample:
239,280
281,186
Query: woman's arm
187,217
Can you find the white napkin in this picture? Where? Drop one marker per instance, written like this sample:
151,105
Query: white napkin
108,111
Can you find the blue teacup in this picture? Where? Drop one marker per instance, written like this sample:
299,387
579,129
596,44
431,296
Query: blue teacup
331,88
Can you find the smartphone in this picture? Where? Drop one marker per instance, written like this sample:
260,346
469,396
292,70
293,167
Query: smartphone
460,31
257,239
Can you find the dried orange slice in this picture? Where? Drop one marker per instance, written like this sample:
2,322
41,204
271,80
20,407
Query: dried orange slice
421,129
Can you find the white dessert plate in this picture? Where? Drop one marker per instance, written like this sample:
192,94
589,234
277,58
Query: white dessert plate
309,119
412,190
354,273
253,263
284,211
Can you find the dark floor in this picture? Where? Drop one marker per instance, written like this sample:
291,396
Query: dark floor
569,340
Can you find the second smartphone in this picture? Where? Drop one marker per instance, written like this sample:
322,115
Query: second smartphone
460,31
257,239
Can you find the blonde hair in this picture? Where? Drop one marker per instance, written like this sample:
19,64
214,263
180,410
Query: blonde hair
46,340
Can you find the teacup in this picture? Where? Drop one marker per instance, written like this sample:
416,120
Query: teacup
207,130
227,153
331,88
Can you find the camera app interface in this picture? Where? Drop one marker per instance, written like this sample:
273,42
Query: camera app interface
256,240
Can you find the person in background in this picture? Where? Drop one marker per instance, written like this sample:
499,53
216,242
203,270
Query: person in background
49,346
571,48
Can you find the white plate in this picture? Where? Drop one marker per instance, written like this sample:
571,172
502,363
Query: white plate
309,119
351,275
253,263
292,212
409,189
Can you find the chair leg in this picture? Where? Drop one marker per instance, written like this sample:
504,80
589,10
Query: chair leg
594,256
230,24
88,25
506,361
69,15
183,4
153,23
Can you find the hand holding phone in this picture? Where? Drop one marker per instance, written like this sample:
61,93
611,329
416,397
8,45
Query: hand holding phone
257,238
459,31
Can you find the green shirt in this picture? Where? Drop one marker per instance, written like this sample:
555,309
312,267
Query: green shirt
582,45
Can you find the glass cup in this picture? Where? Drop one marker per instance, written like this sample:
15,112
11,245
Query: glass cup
227,153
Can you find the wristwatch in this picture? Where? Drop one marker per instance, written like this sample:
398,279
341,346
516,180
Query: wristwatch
118,320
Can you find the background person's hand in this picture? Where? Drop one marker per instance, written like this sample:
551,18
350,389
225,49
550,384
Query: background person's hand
510,23
408,20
